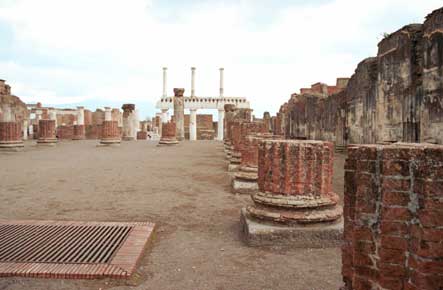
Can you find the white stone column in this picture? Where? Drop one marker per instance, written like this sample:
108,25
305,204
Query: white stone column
193,125
192,82
220,127
165,93
80,116
164,115
25,130
221,82
108,114
53,116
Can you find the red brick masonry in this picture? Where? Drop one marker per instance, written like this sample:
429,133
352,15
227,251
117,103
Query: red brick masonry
47,131
393,211
142,135
79,132
295,182
10,132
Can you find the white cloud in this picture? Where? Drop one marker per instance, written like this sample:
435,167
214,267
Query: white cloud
114,49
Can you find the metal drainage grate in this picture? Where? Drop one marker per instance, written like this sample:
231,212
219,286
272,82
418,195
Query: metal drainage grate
71,249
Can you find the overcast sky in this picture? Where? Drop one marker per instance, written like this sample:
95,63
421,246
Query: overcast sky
109,52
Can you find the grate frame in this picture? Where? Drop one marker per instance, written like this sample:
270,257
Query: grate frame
26,249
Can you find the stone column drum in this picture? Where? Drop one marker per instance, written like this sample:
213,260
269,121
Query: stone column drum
179,113
10,131
245,180
110,130
46,133
79,128
168,134
240,130
295,204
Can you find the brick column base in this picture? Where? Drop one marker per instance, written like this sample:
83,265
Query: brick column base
10,136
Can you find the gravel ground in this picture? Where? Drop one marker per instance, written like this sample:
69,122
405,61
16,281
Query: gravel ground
184,189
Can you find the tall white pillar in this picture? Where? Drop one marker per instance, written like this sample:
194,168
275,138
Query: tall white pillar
193,125
221,82
165,93
80,115
108,114
164,115
192,82
53,116
25,130
221,120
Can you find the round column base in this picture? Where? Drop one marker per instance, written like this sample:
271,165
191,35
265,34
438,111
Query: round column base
11,146
47,141
167,142
110,142
293,209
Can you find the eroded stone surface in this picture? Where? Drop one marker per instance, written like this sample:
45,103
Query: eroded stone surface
393,217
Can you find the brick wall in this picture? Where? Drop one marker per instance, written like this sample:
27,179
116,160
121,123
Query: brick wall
65,132
393,212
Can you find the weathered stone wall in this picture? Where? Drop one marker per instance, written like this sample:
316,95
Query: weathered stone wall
393,215
18,107
396,96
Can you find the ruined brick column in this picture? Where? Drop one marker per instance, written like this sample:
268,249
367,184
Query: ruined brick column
168,134
10,130
129,130
142,135
393,214
240,130
245,180
46,133
110,131
295,204
79,128
179,113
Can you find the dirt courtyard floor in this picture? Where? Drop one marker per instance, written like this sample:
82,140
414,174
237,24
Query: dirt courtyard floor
184,189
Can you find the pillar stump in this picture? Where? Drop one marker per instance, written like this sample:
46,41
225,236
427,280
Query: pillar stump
110,134
46,133
79,132
179,113
240,130
245,180
10,136
168,134
295,204
142,135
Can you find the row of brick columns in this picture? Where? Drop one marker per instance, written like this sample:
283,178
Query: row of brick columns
392,233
